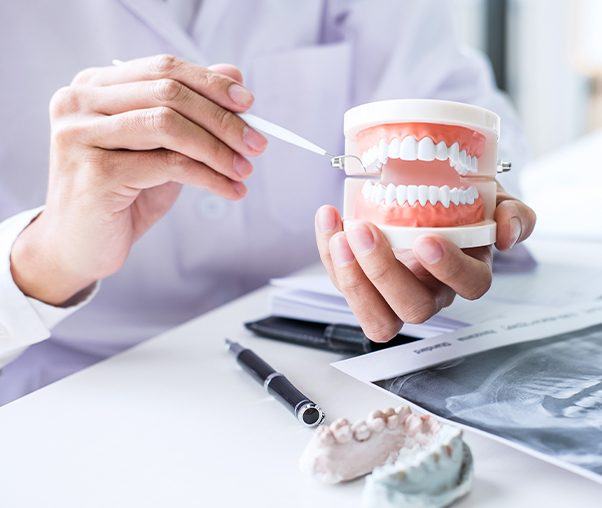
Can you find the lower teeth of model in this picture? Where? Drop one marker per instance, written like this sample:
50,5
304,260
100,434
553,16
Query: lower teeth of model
422,194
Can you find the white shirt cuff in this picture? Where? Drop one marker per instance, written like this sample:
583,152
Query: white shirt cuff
23,320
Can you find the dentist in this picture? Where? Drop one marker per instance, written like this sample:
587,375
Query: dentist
151,184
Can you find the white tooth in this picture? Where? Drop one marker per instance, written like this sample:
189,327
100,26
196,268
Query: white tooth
343,434
407,150
444,196
475,192
364,158
325,436
462,196
388,412
423,194
454,154
375,153
441,151
433,194
392,421
376,424
426,149
382,151
475,163
374,193
390,194
403,412
454,195
394,146
371,155
469,196
339,423
367,189
412,194
470,163
463,159
402,192
380,193
413,424
360,430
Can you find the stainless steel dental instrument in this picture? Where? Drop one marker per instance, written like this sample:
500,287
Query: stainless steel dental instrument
306,411
336,161
272,129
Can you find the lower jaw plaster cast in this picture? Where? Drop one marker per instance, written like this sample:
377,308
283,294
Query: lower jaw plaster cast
431,165
415,461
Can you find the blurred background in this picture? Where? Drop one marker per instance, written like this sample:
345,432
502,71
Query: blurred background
547,56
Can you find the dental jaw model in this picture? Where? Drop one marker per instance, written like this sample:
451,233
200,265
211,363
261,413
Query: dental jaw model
414,460
429,167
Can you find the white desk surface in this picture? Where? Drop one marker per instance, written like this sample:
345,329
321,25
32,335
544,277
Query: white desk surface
173,422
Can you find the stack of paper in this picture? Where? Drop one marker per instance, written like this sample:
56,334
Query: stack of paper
314,298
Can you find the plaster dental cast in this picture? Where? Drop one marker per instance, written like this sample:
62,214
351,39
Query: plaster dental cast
145,201
412,460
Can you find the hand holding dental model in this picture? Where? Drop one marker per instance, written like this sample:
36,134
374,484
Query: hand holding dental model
400,258
124,139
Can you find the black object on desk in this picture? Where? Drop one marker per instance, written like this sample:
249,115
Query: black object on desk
278,386
335,338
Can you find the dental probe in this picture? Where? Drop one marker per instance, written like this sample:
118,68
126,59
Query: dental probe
336,161
306,411
272,129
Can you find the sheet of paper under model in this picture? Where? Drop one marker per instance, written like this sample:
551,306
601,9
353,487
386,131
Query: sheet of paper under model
533,381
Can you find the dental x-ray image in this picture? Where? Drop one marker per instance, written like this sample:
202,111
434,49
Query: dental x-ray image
545,395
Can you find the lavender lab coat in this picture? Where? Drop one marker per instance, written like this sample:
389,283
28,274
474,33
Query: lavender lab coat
307,62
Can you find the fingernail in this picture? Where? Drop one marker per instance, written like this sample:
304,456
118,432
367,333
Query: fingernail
253,139
239,188
516,230
240,95
242,166
428,250
361,238
341,253
326,220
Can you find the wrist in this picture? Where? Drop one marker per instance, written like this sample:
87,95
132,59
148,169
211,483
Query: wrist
37,270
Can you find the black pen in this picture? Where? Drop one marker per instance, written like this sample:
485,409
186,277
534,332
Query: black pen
306,411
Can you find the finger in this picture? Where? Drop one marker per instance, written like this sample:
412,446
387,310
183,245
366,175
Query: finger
147,169
217,87
467,273
148,129
444,295
222,123
228,70
377,319
410,299
515,222
327,224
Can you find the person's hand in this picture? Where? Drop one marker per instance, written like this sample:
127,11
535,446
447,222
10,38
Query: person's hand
385,289
123,140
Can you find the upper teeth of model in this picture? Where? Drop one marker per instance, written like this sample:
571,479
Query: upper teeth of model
425,149
423,194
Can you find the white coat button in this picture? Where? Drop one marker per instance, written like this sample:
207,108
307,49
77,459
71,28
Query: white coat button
212,207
